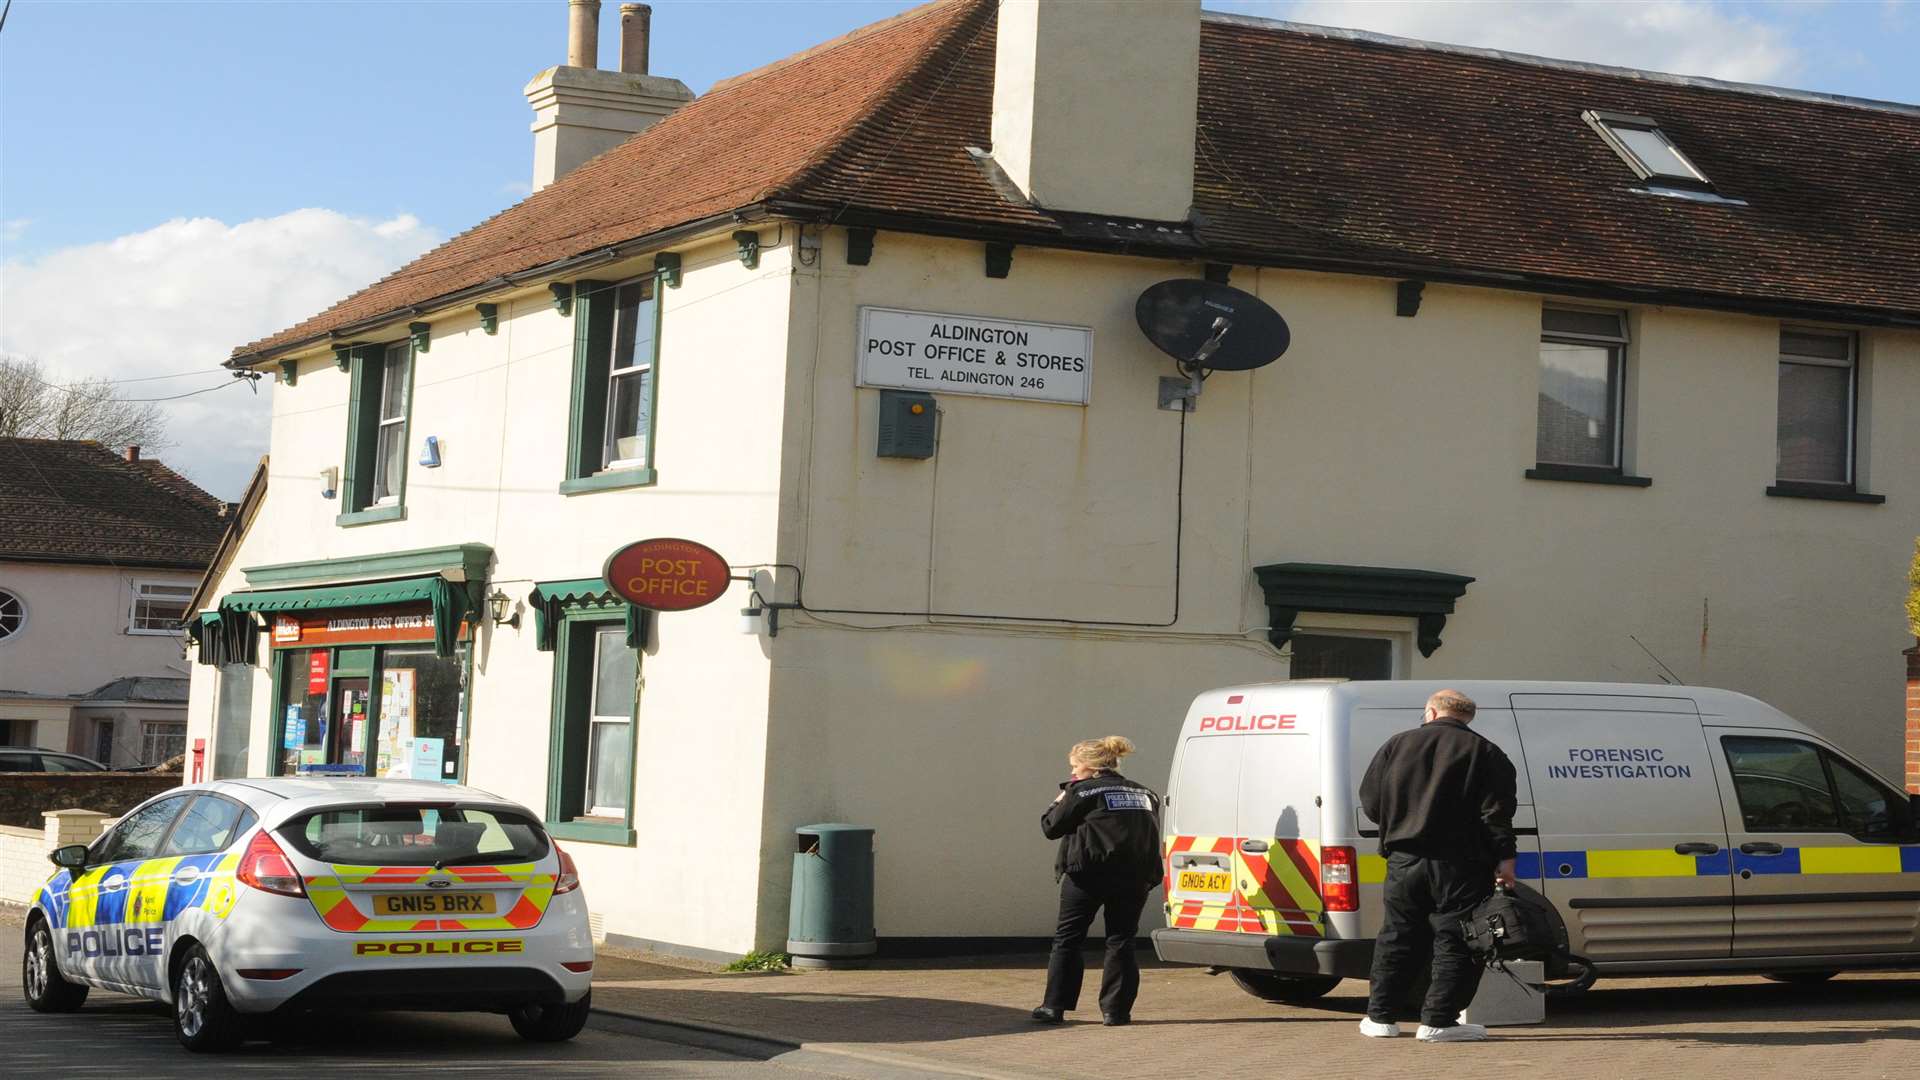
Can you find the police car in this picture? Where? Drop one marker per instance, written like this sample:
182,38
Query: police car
240,898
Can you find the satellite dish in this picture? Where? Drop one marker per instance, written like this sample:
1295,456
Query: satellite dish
1211,327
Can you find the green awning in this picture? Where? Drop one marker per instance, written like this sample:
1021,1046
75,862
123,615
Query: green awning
451,602
334,596
550,598
221,640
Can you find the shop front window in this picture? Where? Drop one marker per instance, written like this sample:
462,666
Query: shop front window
385,710
420,706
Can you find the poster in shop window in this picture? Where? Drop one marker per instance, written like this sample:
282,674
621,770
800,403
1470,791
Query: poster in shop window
396,723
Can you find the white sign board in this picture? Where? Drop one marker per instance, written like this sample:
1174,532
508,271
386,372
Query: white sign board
965,354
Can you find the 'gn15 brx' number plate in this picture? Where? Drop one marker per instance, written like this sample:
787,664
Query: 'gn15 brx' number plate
428,903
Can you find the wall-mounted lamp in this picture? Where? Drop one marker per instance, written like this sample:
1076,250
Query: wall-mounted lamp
329,482
750,616
430,452
497,604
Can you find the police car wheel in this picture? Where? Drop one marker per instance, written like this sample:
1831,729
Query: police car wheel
47,990
551,1023
203,1019
1273,986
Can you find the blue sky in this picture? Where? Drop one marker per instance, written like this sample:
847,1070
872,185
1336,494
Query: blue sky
240,165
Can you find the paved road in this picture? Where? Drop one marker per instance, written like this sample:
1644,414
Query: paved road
120,1037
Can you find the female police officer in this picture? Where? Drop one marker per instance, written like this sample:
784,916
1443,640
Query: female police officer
1109,833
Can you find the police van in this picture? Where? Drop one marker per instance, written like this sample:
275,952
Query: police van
1677,830
241,898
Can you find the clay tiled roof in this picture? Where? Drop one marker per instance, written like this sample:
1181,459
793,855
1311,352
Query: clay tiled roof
1316,148
75,501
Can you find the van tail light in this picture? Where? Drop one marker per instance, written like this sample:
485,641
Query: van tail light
569,878
1340,879
267,868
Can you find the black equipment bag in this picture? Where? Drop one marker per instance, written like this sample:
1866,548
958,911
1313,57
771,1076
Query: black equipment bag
1517,923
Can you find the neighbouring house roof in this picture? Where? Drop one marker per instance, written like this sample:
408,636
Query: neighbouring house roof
142,689
75,501
237,524
1316,148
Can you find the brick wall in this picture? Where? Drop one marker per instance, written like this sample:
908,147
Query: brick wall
1913,719
26,796
23,863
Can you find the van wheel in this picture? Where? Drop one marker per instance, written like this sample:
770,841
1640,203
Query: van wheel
47,990
1801,978
551,1023
1273,986
203,1019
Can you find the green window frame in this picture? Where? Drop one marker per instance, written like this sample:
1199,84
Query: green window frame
371,411
576,628
616,382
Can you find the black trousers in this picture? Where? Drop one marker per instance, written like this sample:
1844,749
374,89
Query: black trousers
1426,899
1081,895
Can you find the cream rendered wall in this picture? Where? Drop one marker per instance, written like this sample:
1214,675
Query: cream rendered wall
500,407
75,638
1377,440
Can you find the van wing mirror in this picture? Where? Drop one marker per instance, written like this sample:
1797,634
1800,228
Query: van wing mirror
71,857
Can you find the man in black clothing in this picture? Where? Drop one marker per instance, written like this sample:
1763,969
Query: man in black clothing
1109,857
1443,798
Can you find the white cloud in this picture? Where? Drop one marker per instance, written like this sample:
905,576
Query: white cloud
14,228
1687,37
180,296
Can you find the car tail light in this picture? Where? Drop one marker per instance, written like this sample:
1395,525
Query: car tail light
577,965
569,878
1340,879
267,868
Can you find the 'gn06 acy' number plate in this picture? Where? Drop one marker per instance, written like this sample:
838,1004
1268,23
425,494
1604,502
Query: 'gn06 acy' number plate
1205,881
427,903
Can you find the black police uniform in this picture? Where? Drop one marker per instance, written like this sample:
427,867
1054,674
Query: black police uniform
1444,798
1109,832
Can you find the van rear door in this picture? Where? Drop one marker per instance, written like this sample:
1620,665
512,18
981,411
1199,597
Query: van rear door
1278,866
1633,843
1202,830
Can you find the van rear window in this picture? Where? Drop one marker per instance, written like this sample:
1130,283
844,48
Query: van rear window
401,835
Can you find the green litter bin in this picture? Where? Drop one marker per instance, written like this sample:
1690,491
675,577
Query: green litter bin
830,922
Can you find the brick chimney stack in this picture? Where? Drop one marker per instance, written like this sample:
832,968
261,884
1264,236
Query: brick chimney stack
132,454
581,111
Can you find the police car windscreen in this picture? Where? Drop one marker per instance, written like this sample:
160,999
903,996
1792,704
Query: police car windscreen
398,835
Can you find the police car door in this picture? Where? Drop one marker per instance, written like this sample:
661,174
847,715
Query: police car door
1818,862
101,943
1632,838
180,878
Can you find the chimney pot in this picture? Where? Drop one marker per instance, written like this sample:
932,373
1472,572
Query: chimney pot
583,33
133,454
636,21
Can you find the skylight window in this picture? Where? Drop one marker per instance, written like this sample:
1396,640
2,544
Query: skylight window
1646,149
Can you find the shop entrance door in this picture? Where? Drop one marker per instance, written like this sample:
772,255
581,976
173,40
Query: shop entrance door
347,740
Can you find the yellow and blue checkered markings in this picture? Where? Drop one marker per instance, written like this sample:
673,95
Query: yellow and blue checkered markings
147,892
1659,862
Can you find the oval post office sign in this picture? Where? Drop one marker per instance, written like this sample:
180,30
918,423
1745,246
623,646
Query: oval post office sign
667,574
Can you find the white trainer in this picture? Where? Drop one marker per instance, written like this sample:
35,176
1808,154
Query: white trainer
1455,1033
1373,1029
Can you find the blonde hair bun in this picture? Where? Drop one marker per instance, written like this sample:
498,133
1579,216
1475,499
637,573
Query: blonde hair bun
1101,753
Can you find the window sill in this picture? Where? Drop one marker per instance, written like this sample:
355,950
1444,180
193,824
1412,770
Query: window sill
592,832
370,515
1788,489
156,633
607,481
1582,474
